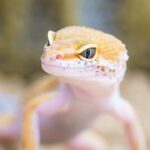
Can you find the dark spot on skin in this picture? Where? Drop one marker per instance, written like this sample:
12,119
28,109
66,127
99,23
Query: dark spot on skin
98,67
102,68
113,70
58,56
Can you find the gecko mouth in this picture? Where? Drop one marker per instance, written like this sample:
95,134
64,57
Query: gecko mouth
68,71
66,67
82,72
76,72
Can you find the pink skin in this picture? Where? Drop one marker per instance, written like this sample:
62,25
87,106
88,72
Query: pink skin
75,105
96,96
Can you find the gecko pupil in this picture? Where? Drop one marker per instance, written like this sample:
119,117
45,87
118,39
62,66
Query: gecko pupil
89,53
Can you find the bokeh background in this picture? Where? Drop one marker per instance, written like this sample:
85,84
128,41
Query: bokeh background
23,32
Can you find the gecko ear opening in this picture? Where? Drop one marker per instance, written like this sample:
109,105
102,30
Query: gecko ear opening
51,36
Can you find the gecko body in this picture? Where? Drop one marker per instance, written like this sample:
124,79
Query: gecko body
89,66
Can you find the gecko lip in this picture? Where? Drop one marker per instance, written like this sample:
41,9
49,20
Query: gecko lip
63,67
76,72
55,70
67,70
73,72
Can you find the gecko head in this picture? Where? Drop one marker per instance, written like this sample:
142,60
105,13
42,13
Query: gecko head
85,53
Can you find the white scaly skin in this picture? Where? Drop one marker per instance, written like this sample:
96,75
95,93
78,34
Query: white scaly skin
88,87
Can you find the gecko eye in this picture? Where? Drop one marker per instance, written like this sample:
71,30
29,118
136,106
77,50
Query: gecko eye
88,54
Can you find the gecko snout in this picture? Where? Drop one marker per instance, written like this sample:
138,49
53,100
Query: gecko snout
51,55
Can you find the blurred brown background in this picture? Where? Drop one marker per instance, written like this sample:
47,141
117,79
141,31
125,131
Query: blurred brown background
23,32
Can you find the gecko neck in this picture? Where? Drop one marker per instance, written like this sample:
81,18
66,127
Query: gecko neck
90,88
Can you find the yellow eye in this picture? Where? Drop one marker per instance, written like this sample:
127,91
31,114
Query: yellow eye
88,53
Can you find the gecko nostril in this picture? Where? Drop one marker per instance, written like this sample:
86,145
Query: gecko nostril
58,56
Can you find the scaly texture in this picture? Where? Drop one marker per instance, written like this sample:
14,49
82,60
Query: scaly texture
109,47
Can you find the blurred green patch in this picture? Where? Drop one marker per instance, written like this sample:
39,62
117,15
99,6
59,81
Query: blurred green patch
134,24
23,33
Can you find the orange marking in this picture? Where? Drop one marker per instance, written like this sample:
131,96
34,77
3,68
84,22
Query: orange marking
69,56
109,47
